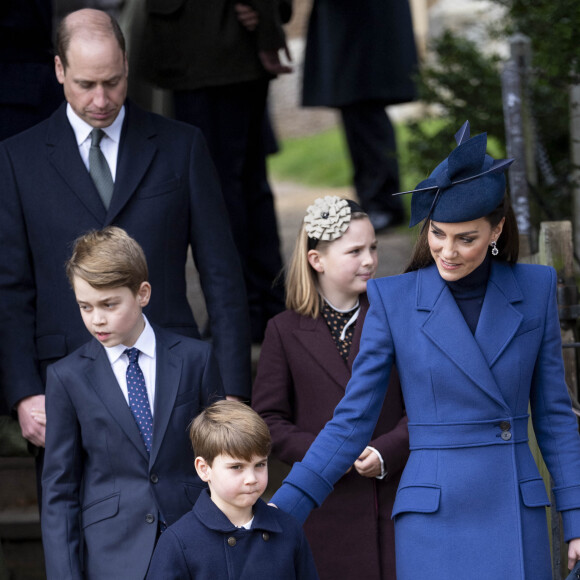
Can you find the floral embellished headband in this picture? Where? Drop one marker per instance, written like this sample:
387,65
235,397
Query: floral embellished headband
327,218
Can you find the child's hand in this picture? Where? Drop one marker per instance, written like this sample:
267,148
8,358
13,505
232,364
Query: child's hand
368,464
573,552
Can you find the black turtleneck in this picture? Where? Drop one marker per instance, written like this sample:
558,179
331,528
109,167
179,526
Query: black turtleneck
469,292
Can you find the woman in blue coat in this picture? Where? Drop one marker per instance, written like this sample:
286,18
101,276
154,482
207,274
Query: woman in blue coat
475,338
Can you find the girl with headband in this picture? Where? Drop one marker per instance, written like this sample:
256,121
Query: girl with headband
305,364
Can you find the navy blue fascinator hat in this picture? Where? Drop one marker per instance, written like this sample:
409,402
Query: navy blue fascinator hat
468,185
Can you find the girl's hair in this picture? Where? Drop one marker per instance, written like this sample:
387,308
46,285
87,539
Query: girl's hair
508,243
302,280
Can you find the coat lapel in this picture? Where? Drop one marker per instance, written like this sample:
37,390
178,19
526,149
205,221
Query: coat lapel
316,339
102,379
447,329
137,149
499,320
168,376
364,306
63,153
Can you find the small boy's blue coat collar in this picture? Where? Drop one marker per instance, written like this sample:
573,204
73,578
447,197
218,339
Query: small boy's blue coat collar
214,519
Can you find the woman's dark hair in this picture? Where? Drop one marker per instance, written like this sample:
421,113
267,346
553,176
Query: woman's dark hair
508,243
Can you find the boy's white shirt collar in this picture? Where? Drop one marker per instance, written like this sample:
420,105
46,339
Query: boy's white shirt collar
247,526
82,129
145,343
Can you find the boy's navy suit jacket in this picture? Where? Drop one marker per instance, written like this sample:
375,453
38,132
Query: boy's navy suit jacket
103,495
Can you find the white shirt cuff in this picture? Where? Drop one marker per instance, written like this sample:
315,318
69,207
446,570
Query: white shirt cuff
383,470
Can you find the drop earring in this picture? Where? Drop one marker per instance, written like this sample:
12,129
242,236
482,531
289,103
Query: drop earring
494,250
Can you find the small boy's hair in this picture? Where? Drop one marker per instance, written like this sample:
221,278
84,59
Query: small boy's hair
108,258
229,428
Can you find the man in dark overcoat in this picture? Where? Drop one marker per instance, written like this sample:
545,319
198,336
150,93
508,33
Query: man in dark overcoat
218,66
360,58
164,192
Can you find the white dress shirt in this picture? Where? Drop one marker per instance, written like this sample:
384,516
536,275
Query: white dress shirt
147,361
109,143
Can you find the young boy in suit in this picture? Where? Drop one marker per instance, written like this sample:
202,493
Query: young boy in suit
231,534
119,465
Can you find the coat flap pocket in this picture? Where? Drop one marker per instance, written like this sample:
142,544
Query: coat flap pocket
100,510
417,498
51,346
534,493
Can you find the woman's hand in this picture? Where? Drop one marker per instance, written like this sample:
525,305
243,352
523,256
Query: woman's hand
368,464
573,552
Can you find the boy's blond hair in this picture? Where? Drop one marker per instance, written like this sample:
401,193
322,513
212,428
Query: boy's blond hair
108,258
229,428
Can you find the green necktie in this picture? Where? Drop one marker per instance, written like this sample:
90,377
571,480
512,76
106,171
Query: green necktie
99,169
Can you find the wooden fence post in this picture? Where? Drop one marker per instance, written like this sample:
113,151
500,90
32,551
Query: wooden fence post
555,247
519,139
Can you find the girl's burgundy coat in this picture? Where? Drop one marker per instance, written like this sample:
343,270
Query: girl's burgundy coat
301,378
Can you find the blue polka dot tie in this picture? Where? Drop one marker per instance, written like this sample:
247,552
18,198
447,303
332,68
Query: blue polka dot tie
138,400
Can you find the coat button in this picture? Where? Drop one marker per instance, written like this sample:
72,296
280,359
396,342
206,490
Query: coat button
154,478
265,536
505,426
231,541
149,518
506,435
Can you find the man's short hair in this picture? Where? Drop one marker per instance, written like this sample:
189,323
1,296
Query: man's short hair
108,258
107,26
229,428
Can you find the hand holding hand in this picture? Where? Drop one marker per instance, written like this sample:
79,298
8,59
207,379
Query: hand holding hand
573,552
368,464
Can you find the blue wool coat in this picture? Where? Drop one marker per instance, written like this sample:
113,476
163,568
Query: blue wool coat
471,502
205,545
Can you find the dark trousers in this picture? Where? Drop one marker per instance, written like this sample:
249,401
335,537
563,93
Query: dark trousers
373,150
231,118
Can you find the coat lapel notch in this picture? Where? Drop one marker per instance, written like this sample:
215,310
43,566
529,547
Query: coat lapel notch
168,375
447,329
63,153
102,378
499,320
137,149
316,339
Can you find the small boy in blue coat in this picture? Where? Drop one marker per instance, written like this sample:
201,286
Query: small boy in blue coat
231,534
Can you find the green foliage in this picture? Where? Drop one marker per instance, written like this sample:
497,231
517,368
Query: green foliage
554,27
322,160
319,160
465,84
